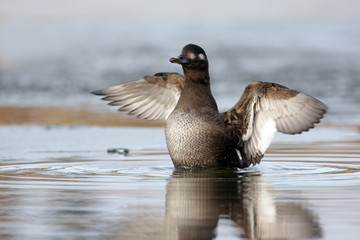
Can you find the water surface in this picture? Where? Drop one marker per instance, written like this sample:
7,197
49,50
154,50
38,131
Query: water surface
59,183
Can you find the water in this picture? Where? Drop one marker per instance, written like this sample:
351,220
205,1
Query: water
59,183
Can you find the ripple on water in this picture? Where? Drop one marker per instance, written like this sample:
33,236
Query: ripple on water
327,163
318,177
285,159
109,171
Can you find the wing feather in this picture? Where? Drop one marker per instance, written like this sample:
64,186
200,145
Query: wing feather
265,108
152,97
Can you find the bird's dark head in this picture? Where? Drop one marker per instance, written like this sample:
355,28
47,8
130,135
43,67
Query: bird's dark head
192,56
194,61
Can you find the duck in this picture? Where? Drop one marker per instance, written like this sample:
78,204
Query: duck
197,134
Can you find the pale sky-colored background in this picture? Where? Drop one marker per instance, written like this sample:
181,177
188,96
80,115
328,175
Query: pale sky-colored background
57,51
163,9
32,27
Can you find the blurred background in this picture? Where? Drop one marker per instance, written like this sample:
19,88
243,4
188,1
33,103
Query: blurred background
60,182
53,53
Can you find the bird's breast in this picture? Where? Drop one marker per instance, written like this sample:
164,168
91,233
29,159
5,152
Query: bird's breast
184,130
195,139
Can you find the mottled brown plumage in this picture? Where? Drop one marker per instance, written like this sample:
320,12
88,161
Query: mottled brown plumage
197,135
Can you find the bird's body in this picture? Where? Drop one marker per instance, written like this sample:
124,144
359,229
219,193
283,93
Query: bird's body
197,135
196,123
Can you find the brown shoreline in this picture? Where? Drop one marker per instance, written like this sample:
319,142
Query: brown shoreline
56,115
65,115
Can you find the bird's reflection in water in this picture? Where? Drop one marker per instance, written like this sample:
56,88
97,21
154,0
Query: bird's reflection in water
195,201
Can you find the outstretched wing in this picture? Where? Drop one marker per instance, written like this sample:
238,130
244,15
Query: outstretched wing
265,108
152,97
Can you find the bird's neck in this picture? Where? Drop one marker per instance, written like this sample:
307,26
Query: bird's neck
195,75
196,96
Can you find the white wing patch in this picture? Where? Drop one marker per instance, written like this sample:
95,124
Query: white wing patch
263,132
290,116
250,118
